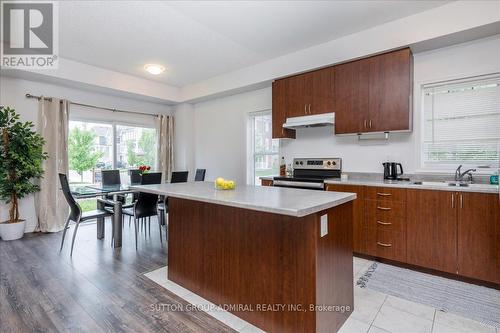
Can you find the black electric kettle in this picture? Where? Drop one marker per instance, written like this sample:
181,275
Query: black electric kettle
391,170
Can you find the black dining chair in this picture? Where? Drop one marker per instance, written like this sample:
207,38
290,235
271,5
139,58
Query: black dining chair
76,215
112,178
179,177
135,176
200,175
135,179
176,177
146,204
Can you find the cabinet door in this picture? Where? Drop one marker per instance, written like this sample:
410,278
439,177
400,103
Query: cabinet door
479,236
321,91
390,91
431,229
279,111
359,234
351,97
296,95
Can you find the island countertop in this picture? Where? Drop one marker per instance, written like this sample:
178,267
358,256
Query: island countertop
277,200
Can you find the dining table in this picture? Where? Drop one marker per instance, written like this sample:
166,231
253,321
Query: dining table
97,190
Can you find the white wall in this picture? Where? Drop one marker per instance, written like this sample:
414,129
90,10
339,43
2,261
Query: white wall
220,133
184,139
220,124
12,93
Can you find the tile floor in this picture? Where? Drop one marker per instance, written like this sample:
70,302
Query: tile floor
374,312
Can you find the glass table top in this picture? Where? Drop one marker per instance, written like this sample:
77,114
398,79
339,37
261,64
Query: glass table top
98,189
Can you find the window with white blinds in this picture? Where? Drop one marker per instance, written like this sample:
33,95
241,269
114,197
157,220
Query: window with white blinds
462,123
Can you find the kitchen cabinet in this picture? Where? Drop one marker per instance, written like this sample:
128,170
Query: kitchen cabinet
279,112
390,91
297,99
374,94
385,219
479,236
432,229
351,97
321,83
359,232
448,231
301,95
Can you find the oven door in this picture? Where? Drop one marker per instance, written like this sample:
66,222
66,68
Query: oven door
299,184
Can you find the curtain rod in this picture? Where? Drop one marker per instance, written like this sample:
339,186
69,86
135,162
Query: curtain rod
93,106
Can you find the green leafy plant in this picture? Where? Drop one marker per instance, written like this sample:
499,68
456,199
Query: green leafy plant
21,157
81,151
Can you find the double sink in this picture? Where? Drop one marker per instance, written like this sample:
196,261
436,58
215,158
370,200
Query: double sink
451,183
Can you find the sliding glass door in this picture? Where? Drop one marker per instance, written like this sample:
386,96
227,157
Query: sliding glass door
95,146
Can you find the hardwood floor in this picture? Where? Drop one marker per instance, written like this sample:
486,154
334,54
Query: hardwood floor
97,290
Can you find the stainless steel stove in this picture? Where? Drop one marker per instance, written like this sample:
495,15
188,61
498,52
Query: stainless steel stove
310,173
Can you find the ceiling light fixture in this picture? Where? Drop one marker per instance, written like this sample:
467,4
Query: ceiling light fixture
154,69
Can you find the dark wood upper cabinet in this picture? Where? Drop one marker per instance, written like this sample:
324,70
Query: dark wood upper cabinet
479,236
351,97
431,229
390,91
373,94
367,95
297,98
280,111
321,83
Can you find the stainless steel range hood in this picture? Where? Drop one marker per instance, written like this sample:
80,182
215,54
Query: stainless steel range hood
318,120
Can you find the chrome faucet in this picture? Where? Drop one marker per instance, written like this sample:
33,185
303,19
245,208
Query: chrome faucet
459,176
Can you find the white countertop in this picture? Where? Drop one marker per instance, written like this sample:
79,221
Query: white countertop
278,200
478,188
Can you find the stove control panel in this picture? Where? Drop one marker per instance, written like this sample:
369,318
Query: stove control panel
318,163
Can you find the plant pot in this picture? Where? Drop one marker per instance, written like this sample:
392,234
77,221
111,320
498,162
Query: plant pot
12,231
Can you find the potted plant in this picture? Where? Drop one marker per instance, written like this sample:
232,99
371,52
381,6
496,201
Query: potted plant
21,156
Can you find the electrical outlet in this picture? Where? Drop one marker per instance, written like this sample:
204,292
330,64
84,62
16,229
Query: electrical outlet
324,225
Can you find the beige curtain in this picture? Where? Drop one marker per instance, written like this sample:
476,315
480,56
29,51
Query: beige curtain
165,161
51,207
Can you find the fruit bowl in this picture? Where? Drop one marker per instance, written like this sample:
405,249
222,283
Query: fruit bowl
224,184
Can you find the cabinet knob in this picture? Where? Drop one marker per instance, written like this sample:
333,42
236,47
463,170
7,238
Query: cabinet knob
383,244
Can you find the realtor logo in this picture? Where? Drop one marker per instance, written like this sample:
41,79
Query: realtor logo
29,35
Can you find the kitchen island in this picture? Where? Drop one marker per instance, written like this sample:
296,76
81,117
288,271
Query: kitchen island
279,258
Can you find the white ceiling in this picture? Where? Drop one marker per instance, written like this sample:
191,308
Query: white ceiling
197,40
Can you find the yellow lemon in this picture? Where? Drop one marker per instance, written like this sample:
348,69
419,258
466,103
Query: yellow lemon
231,184
219,181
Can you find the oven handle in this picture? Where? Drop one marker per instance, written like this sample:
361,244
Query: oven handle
285,183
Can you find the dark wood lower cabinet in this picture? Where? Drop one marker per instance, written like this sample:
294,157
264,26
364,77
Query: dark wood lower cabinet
479,236
358,218
447,231
432,229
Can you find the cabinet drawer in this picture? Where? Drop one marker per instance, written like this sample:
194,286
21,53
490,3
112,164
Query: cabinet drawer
385,193
387,215
386,244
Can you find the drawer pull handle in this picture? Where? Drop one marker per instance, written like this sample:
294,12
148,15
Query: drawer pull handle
384,223
384,194
383,208
384,245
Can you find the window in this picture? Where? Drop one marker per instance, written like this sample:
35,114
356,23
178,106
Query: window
461,123
96,146
135,146
264,156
